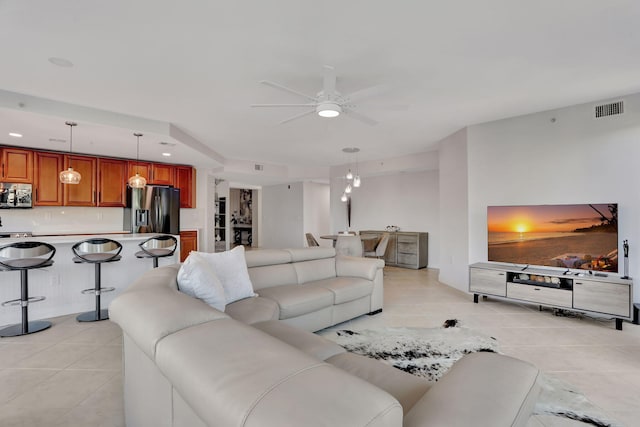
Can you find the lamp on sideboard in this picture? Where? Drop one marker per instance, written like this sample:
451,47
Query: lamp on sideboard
69,176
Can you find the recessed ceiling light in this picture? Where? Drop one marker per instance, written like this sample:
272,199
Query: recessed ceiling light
61,62
167,144
166,154
15,135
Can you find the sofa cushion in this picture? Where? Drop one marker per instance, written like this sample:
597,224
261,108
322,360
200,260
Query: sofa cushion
407,388
272,275
296,300
252,310
231,269
308,254
232,374
345,289
305,341
197,279
267,257
354,267
149,316
317,269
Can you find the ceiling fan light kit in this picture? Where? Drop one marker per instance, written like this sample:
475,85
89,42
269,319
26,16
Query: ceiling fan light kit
328,110
326,103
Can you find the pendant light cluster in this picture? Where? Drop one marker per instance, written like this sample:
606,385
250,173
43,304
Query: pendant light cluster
353,181
70,176
137,181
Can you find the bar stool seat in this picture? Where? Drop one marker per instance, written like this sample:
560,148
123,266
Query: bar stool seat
156,247
25,256
96,251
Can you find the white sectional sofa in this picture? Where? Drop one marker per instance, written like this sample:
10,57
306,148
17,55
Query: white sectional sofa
309,288
188,364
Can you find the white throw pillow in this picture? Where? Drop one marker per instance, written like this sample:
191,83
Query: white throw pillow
231,268
197,279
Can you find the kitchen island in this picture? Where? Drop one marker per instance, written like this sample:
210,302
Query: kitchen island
63,282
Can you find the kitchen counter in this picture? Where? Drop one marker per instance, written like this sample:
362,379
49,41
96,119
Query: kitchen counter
63,282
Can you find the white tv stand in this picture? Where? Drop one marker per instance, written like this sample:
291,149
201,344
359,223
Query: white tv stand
598,293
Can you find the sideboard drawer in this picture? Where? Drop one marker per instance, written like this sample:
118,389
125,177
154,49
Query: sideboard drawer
540,294
407,259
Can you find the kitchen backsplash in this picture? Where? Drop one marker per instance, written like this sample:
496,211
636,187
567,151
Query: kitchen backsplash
73,219
66,219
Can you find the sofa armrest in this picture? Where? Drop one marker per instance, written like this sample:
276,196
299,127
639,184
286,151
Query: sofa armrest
365,268
481,390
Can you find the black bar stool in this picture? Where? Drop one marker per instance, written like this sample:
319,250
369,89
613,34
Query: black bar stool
157,247
24,256
96,251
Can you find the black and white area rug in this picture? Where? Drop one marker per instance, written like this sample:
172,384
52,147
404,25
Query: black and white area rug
430,352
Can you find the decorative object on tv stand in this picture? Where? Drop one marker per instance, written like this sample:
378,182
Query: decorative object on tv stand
625,247
392,228
137,181
353,181
70,176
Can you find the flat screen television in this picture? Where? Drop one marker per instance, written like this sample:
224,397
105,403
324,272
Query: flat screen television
581,236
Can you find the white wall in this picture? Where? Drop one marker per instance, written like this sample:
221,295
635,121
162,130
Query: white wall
454,222
408,200
575,159
316,211
282,216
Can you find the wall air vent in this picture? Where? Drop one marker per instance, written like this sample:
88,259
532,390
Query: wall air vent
259,167
612,109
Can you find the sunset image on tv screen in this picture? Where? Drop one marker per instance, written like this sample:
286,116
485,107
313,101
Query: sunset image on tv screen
572,236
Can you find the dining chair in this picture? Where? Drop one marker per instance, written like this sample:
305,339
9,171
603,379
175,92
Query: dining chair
311,241
381,247
349,245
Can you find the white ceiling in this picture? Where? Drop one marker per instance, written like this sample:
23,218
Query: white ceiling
197,64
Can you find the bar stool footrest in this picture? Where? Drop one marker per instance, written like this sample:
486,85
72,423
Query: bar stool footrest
93,291
32,327
19,301
93,316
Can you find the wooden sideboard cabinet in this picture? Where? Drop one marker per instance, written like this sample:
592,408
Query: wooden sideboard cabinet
405,249
607,295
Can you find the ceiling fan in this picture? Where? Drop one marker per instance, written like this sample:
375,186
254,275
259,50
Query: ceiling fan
328,102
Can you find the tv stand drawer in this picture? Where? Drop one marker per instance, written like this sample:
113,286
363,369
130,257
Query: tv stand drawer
540,294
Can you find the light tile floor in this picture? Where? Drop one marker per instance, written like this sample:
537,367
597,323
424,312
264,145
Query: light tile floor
70,374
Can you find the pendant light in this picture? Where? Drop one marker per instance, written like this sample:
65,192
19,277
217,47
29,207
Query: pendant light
137,181
70,176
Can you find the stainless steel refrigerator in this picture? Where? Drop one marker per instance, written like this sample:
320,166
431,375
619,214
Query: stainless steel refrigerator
153,209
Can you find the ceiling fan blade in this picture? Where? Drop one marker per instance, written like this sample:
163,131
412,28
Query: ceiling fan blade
360,117
329,81
286,89
283,105
297,116
366,93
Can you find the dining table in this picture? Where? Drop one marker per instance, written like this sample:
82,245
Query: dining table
366,238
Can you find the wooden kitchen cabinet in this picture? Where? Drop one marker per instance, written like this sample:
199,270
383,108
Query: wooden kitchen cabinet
83,194
162,174
186,182
17,165
154,173
47,187
112,182
188,243
143,168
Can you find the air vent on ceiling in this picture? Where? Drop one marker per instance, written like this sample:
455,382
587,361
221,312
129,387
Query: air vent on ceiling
259,167
612,109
